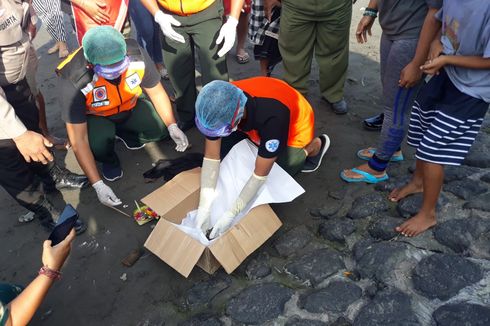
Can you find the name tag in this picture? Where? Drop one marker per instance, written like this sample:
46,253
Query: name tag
133,81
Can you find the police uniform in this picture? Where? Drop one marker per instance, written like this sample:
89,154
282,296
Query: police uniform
111,107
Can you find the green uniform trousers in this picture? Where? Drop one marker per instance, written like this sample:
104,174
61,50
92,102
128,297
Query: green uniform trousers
137,127
200,32
290,160
319,27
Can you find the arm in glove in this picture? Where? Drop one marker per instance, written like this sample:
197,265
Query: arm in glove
227,34
178,137
105,194
248,192
166,21
209,178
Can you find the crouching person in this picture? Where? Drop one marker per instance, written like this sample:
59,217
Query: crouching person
102,86
274,116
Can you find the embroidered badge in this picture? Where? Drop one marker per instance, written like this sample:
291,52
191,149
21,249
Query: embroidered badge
100,94
133,81
272,145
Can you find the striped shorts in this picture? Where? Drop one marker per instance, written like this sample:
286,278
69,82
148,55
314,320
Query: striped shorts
444,122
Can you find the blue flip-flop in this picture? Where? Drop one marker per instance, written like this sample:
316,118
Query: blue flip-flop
394,158
366,177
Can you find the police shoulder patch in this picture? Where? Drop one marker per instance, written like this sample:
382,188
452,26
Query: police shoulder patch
272,145
99,94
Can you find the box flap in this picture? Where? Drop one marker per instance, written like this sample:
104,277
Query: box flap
250,233
174,247
168,200
208,262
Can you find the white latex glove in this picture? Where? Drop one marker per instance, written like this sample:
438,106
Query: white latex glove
248,192
166,21
105,194
209,178
178,137
228,34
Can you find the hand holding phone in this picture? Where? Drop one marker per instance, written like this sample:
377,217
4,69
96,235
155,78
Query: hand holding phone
65,223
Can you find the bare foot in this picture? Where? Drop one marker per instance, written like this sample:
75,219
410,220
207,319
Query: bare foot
410,188
353,175
314,147
417,224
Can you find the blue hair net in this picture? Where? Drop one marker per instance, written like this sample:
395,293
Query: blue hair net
216,107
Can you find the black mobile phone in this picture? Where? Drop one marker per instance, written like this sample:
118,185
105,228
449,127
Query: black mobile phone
65,223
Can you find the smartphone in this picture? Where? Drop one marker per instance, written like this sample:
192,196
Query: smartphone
65,223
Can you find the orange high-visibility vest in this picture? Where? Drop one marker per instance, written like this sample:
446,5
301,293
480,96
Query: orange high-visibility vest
185,7
103,98
301,117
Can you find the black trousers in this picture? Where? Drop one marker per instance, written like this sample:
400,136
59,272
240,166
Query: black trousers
17,176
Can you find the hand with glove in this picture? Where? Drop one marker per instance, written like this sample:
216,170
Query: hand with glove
178,137
166,22
209,178
227,35
105,194
249,191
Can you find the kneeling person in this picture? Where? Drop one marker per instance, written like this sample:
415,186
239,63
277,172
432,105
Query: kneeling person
102,84
273,115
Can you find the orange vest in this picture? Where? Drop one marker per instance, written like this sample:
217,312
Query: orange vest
185,7
103,98
301,117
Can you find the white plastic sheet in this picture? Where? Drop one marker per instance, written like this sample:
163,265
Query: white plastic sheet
235,170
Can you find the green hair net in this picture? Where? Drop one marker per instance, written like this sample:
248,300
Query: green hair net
103,45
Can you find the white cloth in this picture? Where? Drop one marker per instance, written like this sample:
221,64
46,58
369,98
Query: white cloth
235,170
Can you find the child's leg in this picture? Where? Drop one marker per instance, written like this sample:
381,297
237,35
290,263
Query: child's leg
414,186
433,176
264,63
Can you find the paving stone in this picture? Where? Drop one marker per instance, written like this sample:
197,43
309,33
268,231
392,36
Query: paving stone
481,247
485,178
443,276
459,234
202,293
258,268
259,303
361,246
338,194
330,208
368,205
341,321
452,173
479,154
380,259
466,188
462,314
388,308
481,202
293,240
336,297
410,205
384,227
202,320
337,229
393,183
316,265
298,321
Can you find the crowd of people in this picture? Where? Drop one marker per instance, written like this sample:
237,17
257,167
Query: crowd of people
435,73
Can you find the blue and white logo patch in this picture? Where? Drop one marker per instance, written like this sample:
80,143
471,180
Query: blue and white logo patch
272,145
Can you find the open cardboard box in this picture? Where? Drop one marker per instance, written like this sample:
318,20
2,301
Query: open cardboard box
174,200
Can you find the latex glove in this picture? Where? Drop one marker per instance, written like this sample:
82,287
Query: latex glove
166,21
227,34
178,137
248,192
105,194
209,178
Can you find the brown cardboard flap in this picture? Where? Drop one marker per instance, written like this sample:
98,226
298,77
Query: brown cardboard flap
173,246
208,262
174,199
250,233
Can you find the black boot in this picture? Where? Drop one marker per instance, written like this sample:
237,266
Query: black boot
47,215
62,178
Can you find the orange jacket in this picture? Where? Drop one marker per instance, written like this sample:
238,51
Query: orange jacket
104,99
185,7
302,120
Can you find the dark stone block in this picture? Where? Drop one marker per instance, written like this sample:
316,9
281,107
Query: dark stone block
479,154
409,206
336,297
316,266
481,202
361,247
388,308
443,276
485,178
452,173
202,293
380,259
466,188
259,303
393,183
293,240
258,268
458,314
368,205
202,320
459,234
341,321
297,321
337,229
384,227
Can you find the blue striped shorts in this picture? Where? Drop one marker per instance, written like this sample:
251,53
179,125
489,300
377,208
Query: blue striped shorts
444,122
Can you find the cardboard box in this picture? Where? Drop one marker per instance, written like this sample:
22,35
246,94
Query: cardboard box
173,201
